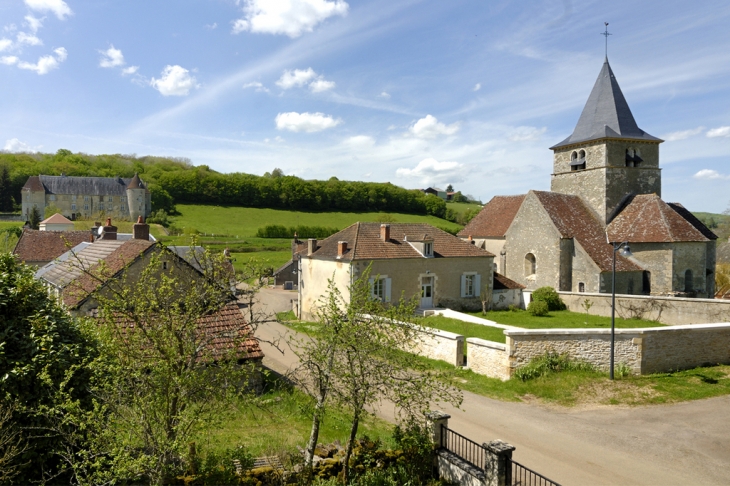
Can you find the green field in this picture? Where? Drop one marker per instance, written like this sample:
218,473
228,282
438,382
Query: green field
462,207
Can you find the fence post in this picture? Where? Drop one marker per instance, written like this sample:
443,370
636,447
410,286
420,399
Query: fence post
498,463
434,420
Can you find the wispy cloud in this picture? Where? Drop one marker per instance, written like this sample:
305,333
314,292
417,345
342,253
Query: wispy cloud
682,134
287,17
710,174
45,64
305,122
477,87
15,145
431,171
719,132
257,86
57,7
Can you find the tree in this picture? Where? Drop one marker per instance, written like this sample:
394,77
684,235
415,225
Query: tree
52,209
449,188
44,355
358,360
6,191
34,218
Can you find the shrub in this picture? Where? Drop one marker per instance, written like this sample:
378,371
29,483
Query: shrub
538,308
159,217
550,362
550,297
279,231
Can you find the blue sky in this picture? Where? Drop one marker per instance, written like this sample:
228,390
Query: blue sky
413,92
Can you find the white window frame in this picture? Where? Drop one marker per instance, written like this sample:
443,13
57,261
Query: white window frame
380,288
471,283
428,249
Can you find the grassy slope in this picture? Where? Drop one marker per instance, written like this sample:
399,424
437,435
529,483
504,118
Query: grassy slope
461,207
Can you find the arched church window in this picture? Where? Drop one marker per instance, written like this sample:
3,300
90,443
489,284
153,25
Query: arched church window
688,284
578,160
633,157
530,264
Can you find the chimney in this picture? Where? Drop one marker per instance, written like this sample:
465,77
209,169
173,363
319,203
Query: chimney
140,230
471,240
109,232
385,232
341,248
311,246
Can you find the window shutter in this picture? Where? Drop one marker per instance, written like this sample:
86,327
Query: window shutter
463,286
371,285
387,290
477,285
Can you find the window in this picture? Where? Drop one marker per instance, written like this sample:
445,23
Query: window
470,284
52,197
73,207
73,197
380,288
123,199
86,198
164,265
101,206
633,157
530,264
86,207
581,287
688,283
109,199
578,160
428,249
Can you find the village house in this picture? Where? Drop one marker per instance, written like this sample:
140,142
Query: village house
37,248
85,197
605,188
405,259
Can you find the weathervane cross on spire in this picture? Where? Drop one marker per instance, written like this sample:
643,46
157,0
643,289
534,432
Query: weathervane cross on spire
606,34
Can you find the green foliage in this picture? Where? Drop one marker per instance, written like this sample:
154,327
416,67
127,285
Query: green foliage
34,218
550,362
217,468
415,441
538,308
161,199
6,191
159,217
279,231
622,370
550,297
52,209
44,357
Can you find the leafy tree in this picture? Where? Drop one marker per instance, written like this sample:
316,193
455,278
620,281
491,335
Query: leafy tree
449,188
52,209
551,298
6,191
161,199
43,361
34,218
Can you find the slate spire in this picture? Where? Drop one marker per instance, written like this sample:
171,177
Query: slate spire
606,114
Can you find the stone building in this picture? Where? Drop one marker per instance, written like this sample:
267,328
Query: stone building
86,197
605,187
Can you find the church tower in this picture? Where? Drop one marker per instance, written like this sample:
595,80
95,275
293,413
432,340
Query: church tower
608,157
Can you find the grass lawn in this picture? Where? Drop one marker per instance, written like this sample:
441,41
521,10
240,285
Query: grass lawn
464,328
280,420
273,259
462,207
560,319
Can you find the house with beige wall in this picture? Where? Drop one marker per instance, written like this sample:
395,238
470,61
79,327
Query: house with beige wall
411,260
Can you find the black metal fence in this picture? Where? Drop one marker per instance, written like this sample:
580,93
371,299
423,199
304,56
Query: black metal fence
463,447
524,476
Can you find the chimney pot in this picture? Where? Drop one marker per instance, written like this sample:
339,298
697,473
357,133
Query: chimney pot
385,232
108,221
341,248
311,246
140,219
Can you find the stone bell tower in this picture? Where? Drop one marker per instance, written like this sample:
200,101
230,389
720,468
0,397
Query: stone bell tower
608,157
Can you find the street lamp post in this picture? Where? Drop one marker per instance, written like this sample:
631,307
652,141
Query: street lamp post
625,252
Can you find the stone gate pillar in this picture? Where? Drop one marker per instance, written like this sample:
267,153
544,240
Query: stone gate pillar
498,463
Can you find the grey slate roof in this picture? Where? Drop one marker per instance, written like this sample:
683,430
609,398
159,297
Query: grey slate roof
606,114
92,186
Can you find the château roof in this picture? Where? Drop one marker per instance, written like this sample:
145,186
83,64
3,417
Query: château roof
648,219
494,218
135,183
606,114
364,243
90,186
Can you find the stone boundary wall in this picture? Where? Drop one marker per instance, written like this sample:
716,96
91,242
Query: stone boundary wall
667,310
488,358
470,318
437,344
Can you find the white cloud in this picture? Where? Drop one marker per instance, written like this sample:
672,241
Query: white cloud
710,174
430,127
33,23
175,81
360,141
289,17
295,78
15,145
130,70
682,134
305,122
46,63
28,39
112,57
384,95
5,44
719,132
319,85
257,86
477,87
524,134
58,7
212,26
431,171
9,60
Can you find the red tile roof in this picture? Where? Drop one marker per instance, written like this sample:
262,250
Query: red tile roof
503,283
34,184
57,218
364,243
574,220
648,219
494,219
44,246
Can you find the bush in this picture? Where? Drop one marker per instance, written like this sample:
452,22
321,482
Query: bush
159,217
550,297
550,362
538,308
279,231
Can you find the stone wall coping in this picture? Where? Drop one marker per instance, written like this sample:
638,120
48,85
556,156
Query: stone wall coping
624,332
470,318
487,344
647,297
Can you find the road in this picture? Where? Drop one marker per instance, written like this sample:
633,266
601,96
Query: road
684,443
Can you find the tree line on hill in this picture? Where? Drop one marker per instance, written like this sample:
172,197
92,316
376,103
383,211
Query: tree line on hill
177,180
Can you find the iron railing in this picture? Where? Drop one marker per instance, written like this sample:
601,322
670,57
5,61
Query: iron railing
463,447
524,476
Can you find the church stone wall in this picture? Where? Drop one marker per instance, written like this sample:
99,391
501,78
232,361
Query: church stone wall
690,256
532,231
589,184
584,271
657,257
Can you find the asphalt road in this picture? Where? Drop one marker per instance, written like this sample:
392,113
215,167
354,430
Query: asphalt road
685,443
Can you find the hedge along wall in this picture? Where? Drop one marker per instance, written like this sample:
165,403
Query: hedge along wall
667,310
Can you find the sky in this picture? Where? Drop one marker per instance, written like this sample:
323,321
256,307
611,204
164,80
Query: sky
414,92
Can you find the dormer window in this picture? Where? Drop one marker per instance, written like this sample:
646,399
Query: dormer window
423,244
633,157
428,249
578,160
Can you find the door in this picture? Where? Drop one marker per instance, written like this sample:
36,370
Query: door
427,292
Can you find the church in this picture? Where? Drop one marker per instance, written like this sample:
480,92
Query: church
605,189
